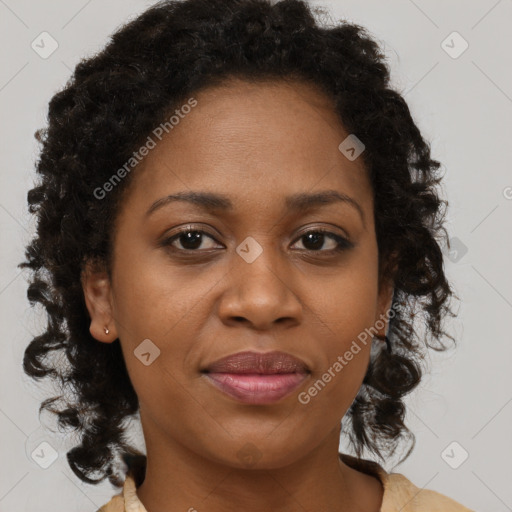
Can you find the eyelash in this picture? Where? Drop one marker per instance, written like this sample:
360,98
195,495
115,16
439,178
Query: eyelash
342,243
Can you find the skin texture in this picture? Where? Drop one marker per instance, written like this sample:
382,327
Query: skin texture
257,144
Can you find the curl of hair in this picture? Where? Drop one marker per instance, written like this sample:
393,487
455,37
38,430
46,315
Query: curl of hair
107,109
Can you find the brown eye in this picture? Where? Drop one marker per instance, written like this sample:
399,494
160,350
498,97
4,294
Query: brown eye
194,240
189,239
314,240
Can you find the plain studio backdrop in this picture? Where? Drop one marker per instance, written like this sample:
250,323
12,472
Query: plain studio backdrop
452,62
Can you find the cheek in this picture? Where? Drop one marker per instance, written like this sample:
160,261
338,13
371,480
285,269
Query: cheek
345,313
345,356
152,300
159,311
347,305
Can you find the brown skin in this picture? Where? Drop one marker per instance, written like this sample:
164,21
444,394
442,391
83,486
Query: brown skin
257,144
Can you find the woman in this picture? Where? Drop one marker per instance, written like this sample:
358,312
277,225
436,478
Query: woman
237,222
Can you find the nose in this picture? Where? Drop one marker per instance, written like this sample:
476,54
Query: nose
261,296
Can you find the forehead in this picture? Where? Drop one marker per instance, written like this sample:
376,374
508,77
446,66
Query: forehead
253,141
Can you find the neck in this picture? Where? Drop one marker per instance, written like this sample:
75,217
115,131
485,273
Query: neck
178,478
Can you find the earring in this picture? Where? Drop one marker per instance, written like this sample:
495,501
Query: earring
106,330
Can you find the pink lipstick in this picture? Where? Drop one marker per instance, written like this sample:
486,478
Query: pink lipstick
257,378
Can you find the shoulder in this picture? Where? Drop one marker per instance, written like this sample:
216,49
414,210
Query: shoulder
116,504
401,494
127,499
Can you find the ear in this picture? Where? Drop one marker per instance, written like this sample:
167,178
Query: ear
385,296
98,299
384,302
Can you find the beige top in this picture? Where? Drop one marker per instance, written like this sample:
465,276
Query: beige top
400,495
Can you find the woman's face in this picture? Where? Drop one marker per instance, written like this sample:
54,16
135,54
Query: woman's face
252,281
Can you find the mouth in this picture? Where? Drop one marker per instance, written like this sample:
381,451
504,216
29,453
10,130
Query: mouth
257,388
257,378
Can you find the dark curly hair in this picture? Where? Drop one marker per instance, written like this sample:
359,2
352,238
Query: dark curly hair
108,108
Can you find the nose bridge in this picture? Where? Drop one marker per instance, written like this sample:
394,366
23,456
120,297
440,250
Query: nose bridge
260,290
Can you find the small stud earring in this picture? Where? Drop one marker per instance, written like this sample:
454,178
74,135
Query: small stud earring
106,330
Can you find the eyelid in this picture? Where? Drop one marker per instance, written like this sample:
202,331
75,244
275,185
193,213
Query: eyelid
342,241
302,232
327,229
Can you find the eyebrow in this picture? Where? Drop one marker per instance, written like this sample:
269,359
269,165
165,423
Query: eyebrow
216,202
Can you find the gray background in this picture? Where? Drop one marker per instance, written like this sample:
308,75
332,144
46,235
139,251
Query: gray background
463,105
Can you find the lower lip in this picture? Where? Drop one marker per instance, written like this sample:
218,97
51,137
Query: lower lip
255,388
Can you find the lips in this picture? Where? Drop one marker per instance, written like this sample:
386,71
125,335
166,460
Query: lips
260,363
257,378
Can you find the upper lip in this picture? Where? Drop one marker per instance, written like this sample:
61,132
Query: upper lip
258,362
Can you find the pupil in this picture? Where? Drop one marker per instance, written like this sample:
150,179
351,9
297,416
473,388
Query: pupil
315,237
193,238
